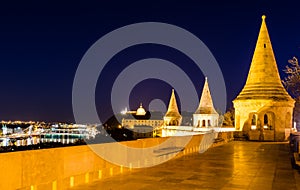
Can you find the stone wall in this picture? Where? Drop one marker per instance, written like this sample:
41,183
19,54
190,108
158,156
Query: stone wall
62,168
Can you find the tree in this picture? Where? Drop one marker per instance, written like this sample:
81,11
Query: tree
229,118
292,84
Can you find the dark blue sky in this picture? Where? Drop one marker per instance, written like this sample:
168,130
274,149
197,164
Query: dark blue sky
42,43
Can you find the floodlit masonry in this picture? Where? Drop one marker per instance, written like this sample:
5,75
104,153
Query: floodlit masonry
205,118
264,109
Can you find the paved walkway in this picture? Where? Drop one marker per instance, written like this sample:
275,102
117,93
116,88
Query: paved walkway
236,165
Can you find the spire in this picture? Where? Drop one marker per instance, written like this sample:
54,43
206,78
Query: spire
263,80
206,105
172,109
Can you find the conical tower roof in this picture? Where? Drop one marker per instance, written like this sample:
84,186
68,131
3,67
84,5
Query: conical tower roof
206,105
263,80
172,109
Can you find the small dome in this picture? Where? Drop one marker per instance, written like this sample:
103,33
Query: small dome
140,111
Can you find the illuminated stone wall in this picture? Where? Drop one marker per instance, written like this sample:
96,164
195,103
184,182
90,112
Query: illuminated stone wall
62,168
280,115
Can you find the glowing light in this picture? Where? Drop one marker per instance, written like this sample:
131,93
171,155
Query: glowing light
123,112
140,110
253,127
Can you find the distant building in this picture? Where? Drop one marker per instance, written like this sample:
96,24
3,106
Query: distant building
264,109
131,123
140,123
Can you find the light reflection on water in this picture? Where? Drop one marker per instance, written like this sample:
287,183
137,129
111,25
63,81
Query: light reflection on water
47,138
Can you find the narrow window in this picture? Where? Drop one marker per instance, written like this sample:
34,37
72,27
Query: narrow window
265,45
253,122
266,120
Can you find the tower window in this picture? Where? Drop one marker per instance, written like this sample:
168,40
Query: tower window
265,45
253,122
266,120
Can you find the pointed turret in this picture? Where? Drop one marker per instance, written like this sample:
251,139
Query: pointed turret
173,109
206,105
172,117
263,80
264,109
205,115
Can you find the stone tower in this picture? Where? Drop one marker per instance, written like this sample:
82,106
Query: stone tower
264,109
172,117
205,115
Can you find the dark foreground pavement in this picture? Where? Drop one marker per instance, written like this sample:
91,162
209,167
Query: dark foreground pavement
236,165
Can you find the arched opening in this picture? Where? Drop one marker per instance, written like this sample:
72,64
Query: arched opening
253,121
203,123
265,119
269,118
174,123
208,123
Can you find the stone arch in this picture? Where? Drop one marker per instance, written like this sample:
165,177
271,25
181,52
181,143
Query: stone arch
268,120
198,124
252,122
265,119
173,122
246,124
254,119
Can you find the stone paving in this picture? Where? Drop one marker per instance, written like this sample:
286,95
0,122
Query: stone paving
236,165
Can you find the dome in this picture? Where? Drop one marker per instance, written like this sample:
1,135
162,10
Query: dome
141,111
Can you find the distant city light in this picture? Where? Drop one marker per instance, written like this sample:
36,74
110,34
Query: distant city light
123,112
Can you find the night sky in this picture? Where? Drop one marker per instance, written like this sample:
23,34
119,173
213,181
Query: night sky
42,43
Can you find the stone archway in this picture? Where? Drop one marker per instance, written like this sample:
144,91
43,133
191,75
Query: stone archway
269,121
253,121
203,123
268,126
174,122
